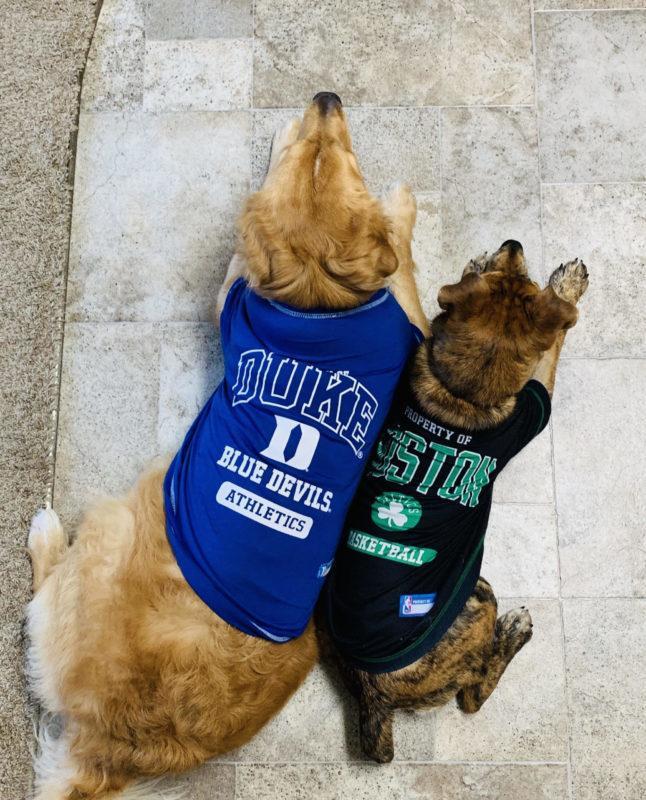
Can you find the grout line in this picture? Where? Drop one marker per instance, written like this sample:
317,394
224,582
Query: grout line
594,183
582,10
396,762
522,503
568,724
603,358
253,55
367,107
568,597
160,112
538,142
568,721
440,118
59,343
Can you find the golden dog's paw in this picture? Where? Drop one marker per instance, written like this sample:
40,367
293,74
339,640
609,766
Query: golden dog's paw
570,280
46,532
400,205
284,137
477,264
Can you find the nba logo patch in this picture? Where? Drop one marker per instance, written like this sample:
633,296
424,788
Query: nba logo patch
415,605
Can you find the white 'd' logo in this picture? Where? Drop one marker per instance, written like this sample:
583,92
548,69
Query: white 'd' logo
305,450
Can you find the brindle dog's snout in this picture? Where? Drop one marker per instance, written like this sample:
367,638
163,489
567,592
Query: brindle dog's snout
512,246
327,101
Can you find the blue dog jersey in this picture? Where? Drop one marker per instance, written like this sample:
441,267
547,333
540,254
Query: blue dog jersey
256,497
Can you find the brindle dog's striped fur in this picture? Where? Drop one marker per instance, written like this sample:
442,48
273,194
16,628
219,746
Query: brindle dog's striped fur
496,331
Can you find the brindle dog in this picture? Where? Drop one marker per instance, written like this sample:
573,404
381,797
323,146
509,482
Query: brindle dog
483,348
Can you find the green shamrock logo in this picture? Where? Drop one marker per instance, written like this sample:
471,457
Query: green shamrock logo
393,510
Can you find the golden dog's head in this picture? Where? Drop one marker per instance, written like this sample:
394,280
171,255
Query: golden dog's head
313,236
495,325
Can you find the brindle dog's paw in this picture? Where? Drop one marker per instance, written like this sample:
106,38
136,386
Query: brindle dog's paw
570,281
477,264
514,630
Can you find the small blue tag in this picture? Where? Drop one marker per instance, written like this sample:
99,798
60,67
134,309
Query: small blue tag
416,605
324,569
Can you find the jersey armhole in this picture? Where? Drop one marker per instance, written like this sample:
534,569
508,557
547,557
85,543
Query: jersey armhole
231,301
417,334
541,398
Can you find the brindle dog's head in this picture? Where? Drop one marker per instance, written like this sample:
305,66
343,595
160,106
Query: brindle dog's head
496,323
313,236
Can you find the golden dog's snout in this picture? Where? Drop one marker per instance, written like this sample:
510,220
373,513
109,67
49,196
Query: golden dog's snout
327,101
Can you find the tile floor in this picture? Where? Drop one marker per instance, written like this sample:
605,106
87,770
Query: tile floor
510,119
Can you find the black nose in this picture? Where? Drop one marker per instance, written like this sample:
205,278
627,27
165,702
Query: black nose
512,245
327,101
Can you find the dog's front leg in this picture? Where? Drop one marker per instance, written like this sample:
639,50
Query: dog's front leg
283,138
400,207
569,282
237,269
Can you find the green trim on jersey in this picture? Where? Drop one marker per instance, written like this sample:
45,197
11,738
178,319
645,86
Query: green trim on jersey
391,551
431,627
540,403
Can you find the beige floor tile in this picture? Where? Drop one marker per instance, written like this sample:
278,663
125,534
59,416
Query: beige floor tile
413,735
605,654
320,723
397,145
521,553
427,249
198,19
490,186
603,225
108,417
212,781
599,470
402,782
191,367
393,54
113,78
591,95
198,75
524,719
153,226
528,477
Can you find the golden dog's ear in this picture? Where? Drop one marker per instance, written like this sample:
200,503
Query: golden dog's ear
550,313
466,297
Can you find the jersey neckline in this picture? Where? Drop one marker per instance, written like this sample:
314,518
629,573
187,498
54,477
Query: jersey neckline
376,299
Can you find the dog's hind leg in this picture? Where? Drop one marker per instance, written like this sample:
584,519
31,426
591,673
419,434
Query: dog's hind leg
376,721
513,631
47,544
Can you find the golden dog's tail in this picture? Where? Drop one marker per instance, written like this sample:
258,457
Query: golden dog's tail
57,777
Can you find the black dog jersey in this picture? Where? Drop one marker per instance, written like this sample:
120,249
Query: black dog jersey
413,542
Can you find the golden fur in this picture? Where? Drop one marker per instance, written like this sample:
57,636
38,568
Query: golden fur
497,329
147,678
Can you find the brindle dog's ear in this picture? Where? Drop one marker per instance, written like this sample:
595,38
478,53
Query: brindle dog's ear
467,297
551,314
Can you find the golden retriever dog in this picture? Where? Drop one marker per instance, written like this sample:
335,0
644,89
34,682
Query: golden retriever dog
145,678
405,614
